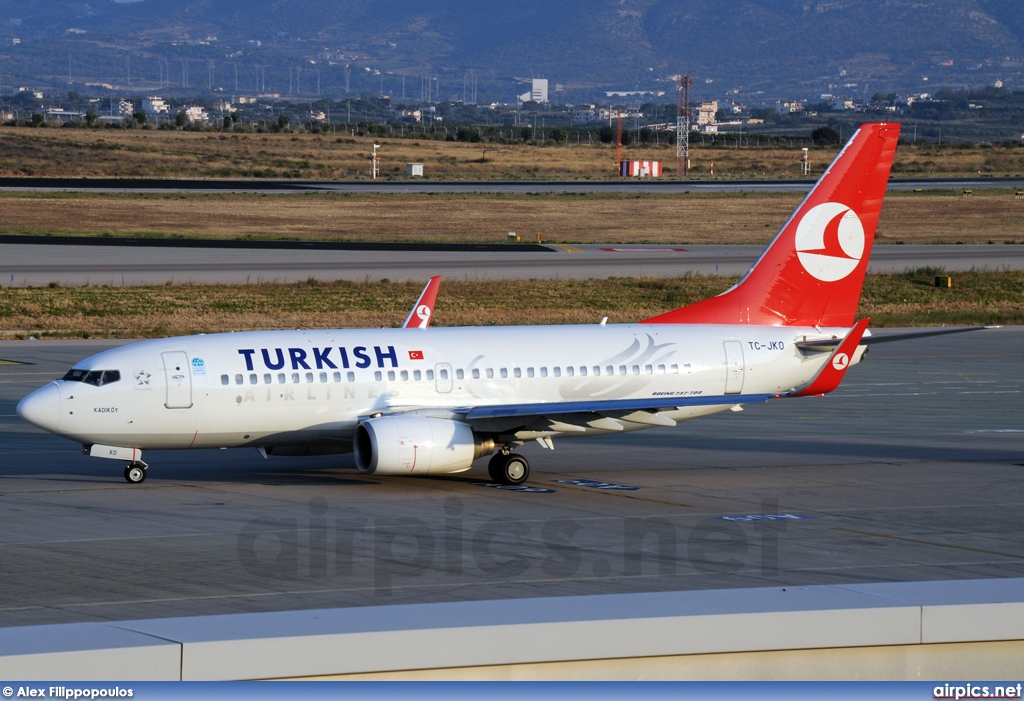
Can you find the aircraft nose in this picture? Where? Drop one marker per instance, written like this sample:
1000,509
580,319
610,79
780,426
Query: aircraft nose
42,407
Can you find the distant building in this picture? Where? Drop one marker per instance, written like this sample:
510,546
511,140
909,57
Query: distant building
706,112
195,113
155,106
789,107
538,91
125,108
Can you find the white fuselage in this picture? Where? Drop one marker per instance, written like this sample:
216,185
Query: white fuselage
311,388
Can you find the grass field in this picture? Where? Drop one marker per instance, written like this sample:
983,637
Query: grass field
147,153
907,217
907,299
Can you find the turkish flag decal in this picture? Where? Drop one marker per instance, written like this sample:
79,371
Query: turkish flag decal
415,355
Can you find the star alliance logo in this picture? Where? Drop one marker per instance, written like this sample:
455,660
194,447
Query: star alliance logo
142,379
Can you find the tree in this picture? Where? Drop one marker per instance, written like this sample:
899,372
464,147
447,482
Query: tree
139,116
38,120
606,134
559,135
825,136
526,133
180,120
90,118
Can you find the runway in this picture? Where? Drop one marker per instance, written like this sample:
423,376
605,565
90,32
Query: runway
23,265
913,470
157,185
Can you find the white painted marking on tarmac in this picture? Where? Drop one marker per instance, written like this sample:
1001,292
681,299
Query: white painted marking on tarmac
996,430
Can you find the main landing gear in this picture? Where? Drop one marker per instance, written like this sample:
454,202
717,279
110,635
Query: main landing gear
508,468
135,473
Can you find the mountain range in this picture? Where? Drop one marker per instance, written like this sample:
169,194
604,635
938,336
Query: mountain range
752,50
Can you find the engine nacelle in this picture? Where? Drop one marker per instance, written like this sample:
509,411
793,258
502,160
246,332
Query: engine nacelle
417,445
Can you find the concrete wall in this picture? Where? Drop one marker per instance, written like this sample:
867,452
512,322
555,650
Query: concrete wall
918,630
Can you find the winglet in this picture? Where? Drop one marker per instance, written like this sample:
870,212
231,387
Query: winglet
832,373
419,317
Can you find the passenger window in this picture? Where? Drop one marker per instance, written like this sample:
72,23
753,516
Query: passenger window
504,372
444,373
543,372
583,371
610,370
280,378
675,369
295,378
648,370
323,377
661,369
417,375
377,376
267,379
391,375
238,379
430,374
351,376
636,369
254,379
460,375
337,377
490,373
309,377
529,372
223,379
557,371
622,369
570,371
405,375
517,372
597,370
476,373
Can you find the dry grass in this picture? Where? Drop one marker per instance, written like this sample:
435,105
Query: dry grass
136,312
151,153
929,217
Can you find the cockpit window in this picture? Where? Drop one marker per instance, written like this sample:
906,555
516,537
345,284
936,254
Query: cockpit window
97,378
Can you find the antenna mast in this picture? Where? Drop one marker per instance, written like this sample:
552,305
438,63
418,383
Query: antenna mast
683,83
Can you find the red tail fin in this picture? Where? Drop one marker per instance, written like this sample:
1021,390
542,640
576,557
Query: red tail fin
419,317
812,272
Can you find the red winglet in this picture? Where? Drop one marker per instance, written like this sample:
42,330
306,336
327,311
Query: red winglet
419,317
832,373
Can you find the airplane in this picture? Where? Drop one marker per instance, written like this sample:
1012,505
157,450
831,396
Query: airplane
433,401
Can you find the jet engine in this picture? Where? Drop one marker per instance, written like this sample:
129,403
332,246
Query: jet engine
417,445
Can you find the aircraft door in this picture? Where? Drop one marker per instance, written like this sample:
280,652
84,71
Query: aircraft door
443,377
733,367
179,380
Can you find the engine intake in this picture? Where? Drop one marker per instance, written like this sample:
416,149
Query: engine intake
417,445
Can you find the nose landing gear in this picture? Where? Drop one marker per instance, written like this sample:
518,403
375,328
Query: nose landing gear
135,473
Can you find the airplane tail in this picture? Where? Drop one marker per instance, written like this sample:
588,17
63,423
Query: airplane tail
812,272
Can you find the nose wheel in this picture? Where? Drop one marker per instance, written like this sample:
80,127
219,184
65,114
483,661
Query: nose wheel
508,468
135,473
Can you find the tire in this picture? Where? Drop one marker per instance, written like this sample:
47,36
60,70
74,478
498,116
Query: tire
135,474
513,470
496,466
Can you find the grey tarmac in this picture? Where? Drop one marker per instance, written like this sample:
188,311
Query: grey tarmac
912,470
30,264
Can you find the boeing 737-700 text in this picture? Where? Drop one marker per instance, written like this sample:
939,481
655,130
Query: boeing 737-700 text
418,400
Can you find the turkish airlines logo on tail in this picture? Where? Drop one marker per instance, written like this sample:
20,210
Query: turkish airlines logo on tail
830,241
423,314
